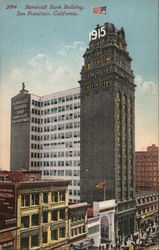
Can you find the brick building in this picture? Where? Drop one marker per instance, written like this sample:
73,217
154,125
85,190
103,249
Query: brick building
147,168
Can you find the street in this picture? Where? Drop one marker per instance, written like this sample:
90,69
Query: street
156,247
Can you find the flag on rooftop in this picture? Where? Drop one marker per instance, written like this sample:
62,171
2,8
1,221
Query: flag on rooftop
99,10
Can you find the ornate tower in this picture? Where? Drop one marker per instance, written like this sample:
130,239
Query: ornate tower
107,123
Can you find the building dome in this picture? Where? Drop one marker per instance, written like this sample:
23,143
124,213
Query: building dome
110,27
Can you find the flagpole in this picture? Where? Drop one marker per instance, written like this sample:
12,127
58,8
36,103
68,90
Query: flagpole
104,190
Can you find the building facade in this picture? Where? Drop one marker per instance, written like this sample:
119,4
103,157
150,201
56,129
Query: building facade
42,215
101,218
147,169
77,220
107,124
45,135
38,209
147,210
8,238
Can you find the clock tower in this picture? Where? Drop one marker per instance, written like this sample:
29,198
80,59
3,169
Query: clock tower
107,124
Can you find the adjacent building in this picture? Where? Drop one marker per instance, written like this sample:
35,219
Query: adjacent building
108,123
8,237
77,220
147,210
42,215
45,135
40,208
147,169
101,218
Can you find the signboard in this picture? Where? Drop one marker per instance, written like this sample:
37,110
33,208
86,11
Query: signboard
20,110
7,199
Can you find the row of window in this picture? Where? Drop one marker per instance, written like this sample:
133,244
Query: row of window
60,127
75,163
146,199
74,192
61,154
98,61
57,154
77,231
61,172
66,117
56,109
69,144
96,73
54,164
148,209
147,157
34,199
56,100
88,87
66,135
147,163
56,234
55,118
33,220
78,217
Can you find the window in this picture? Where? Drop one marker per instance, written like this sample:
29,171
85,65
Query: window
76,173
106,83
69,98
107,59
45,217
62,214
1,178
62,196
44,237
35,199
24,243
35,219
80,230
61,99
69,107
54,235
88,66
62,232
25,222
54,101
54,215
34,240
105,70
25,200
97,44
75,231
87,87
45,197
55,197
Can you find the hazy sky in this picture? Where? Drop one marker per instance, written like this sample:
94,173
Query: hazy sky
46,53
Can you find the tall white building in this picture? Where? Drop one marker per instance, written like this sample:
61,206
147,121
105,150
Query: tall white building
45,135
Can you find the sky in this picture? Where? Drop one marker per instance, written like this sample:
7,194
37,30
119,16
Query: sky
46,52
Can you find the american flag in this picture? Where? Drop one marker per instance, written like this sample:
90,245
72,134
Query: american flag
99,10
